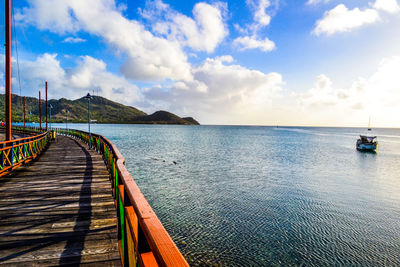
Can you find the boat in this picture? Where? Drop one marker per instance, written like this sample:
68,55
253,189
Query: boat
367,143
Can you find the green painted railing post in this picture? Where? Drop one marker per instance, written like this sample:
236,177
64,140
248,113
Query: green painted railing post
121,227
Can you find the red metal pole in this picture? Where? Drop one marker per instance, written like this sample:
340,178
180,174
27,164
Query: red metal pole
8,69
40,113
24,111
46,106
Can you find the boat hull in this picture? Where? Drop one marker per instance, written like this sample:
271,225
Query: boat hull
366,147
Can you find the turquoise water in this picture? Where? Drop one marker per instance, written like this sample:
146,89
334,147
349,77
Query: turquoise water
256,196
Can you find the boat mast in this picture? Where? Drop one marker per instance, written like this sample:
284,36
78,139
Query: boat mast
8,69
369,123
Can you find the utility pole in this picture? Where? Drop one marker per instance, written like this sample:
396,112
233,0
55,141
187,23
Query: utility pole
46,106
8,69
40,113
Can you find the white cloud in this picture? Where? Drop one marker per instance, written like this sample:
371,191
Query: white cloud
225,58
251,42
261,19
341,19
149,56
389,6
87,75
44,68
202,33
260,15
322,94
74,40
56,16
315,2
232,92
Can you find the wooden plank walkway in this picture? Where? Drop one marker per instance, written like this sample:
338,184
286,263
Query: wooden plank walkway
59,210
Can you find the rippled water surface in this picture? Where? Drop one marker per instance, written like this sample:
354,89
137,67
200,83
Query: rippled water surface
256,196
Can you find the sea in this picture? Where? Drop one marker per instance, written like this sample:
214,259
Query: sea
268,196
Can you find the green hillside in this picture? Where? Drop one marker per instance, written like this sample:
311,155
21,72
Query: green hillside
101,109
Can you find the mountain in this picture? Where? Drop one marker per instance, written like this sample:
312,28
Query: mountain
102,110
165,117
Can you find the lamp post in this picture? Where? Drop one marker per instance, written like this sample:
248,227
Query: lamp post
88,97
50,106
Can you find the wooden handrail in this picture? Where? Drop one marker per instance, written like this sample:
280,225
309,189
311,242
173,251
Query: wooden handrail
142,238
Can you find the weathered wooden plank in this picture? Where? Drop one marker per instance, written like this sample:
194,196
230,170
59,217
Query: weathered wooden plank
52,253
42,219
59,210
62,236
54,197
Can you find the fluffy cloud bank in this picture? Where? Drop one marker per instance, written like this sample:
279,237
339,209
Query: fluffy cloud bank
149,57
225,90
220,91
377,96
342,19
204,32
389,6
89,74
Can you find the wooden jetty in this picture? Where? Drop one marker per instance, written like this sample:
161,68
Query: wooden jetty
72,205
59,210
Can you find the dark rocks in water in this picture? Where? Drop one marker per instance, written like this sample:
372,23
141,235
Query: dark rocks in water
163,160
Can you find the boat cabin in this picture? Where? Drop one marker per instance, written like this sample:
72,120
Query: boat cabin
367,139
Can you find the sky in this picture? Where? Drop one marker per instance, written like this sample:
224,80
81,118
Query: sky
252,62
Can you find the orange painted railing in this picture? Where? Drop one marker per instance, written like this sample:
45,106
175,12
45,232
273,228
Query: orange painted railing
19,151
142,239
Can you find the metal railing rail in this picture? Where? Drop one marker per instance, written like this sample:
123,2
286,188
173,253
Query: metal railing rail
142,239
17,152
